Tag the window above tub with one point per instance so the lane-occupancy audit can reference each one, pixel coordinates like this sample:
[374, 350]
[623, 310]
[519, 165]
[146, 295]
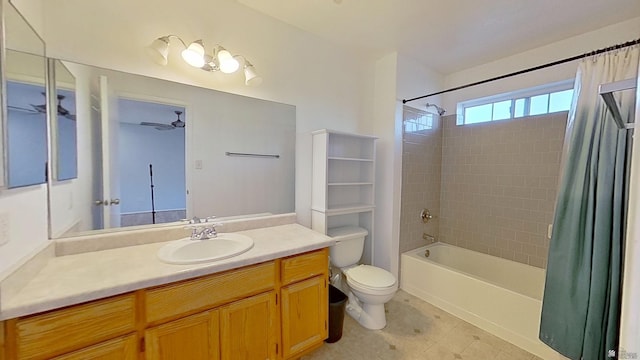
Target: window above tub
[538, 100]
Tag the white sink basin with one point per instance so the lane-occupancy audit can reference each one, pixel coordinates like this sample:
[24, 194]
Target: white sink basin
[187, 251]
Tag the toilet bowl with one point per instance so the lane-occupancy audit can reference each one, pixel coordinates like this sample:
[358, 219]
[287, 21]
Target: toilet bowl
[368, 287]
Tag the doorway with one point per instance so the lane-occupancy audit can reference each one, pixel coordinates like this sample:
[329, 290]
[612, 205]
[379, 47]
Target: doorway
[151, 162]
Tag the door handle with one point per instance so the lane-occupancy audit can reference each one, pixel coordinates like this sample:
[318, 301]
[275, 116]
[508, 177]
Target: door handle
[101, 202]
[114, 202]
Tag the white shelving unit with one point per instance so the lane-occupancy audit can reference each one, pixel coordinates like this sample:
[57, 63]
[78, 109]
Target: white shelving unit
[343, 185]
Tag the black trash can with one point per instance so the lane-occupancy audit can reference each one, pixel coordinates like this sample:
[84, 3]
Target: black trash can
[337, 304]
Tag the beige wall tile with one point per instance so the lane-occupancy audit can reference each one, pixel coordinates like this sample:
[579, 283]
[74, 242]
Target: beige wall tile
[496, 184]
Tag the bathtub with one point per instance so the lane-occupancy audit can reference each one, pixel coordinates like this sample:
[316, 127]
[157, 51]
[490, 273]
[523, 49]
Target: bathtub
[500, 296]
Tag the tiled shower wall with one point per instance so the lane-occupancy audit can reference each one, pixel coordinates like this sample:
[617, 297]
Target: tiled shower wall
[499, 183]
[491, 186]
[422, 159]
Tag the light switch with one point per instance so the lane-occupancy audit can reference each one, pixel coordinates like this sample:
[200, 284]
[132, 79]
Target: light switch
[549, 231]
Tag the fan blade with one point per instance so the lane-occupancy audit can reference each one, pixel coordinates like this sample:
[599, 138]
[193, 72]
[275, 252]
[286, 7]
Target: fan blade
[144, 123]
[21, 109]
[158, 126]
[40, 108]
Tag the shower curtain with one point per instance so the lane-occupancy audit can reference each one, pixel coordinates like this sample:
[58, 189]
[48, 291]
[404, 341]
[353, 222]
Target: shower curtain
[581, 304]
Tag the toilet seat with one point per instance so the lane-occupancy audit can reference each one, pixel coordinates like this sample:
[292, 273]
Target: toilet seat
[371, 279]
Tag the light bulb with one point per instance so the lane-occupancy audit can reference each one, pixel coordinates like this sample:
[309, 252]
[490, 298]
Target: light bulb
[224, 55]
[194, 54]
[229, 65]
[226, 61]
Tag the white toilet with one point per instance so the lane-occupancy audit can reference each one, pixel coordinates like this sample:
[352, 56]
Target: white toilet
[368, 287]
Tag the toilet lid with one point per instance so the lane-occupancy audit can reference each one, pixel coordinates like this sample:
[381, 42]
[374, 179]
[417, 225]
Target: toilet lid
[372, 276]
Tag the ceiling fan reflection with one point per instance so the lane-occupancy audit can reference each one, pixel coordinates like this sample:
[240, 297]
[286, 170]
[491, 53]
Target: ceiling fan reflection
[42, 109]
[173, 125]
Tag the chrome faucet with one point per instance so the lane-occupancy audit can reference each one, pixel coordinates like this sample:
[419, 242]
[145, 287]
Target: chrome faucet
[202, 229]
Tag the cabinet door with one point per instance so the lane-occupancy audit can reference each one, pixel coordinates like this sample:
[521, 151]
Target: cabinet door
[304, 315]
[123, 348]
[193, 337]
[249, 328]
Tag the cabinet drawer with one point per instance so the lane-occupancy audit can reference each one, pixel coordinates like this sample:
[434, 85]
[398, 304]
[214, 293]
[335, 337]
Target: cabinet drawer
[60, 331]
[123, 348]
[170, 301]
[304, 266]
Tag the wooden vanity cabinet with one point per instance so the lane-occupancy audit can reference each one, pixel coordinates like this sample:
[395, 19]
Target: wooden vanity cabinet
[304, 303]
[194, 337]
[57, 332]
[273, 310]
[2, 340]
[123, 348]
[249, 328]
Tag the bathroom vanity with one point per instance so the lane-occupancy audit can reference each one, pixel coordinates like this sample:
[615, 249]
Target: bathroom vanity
[273, 306]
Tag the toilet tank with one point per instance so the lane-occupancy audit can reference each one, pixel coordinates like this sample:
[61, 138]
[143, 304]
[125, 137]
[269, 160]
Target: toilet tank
[349, 245]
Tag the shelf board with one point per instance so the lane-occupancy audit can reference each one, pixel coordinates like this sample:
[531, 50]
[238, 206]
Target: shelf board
[342, 133]
[348, 159]
[349, 183]
[346, 209]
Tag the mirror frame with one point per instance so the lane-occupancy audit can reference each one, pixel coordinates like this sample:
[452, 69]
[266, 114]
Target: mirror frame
[3, 98]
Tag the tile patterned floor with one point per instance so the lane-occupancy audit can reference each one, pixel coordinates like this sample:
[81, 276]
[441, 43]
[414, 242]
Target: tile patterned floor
[418, 330]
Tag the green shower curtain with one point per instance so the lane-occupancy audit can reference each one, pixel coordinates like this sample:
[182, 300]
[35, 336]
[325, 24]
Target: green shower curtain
[581, 304]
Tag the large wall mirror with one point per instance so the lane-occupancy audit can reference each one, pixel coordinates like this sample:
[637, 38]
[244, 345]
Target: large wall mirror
[130, 151]
[26, 121]
[152, 152]
[63, 122]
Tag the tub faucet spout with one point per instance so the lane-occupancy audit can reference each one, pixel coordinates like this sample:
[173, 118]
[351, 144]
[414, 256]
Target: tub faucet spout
[430, 238]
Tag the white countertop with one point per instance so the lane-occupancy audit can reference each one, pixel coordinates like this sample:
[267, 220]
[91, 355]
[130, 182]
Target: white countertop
[73, 279]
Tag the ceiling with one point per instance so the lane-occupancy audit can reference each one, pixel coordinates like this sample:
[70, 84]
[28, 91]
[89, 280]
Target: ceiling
[447, 36]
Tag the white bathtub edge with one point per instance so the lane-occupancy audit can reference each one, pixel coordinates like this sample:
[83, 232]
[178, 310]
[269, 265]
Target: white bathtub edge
[537, 348]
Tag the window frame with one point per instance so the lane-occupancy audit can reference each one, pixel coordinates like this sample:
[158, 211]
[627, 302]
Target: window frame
[525, 94]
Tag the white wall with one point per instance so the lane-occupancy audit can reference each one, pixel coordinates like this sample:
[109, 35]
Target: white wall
[577, 45]
[144, 145]
[384, 127]
[396, 77]
[415, 80]
[630, 311]
[26, 212]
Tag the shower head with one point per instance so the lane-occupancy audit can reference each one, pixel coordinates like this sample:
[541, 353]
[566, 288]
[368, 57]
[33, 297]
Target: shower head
[440, 110]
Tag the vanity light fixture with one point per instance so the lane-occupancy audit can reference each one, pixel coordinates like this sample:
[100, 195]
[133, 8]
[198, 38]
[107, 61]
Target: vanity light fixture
[195, 55]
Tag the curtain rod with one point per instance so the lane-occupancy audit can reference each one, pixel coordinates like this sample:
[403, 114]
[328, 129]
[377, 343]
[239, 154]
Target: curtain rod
[557, 62]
